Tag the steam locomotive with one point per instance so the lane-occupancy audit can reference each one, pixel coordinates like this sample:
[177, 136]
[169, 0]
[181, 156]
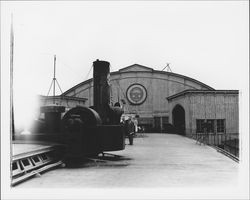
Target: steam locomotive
[90, 131]
[84, 131]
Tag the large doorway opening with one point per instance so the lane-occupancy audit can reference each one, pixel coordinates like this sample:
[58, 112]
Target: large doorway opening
[178, 114]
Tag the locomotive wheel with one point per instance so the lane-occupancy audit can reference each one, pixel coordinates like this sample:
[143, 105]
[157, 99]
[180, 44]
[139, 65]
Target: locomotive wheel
[80, 132]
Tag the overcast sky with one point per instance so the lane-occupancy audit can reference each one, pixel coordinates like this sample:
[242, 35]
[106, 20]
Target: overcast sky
[207, 41]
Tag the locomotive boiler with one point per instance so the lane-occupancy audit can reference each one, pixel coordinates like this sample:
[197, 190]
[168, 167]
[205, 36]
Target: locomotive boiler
[90, 131]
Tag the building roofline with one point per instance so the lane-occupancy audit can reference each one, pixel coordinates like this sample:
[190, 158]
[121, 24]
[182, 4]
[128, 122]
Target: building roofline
[202, 92]
[76, 86]
[148, 68]
[152, 71]
[63, 97]
[170, 74]
[185, 77]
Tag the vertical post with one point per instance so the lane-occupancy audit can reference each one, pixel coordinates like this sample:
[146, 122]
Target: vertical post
[54, 79]
[12, 128]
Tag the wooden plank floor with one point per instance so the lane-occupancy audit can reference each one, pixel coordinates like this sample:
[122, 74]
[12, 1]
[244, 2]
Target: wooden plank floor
[157, 160]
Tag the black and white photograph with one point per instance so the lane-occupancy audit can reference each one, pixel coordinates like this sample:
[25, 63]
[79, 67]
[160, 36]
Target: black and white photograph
[125, 99]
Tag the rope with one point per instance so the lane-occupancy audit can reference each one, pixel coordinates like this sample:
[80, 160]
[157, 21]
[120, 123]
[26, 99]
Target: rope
[124, 96]
[69, 69]
[59, 86]
[48, 92]
[88, 73]
[50, 87]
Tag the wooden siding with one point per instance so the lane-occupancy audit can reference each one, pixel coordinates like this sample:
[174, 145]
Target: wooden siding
[209, 106]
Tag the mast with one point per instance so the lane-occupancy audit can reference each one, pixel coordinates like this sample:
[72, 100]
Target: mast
[54, 79]
[12, 127]
[54, 82]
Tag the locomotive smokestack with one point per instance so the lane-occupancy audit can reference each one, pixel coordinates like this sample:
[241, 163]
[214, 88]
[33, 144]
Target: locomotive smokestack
[101, 73]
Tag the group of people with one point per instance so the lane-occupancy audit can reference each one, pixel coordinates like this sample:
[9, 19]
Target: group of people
[130, 128]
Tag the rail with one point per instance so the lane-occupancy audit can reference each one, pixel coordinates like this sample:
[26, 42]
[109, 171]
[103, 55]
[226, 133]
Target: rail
[226, 143]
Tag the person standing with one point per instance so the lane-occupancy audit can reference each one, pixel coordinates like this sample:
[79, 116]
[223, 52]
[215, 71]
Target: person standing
[130, 130]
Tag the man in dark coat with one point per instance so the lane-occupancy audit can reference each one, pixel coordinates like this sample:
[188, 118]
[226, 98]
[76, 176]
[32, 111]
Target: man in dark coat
[129, 130]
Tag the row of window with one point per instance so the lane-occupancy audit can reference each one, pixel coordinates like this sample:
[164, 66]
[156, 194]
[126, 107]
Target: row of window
[210, 125]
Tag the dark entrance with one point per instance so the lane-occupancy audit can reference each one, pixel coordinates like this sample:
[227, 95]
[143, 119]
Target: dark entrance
[178, 114]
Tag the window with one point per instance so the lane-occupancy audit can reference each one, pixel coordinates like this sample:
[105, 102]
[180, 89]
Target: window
[165, 120]
[200, 125]
[221, 125]
[210, 125]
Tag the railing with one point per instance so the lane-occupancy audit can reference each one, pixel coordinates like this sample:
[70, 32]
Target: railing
[228, 142]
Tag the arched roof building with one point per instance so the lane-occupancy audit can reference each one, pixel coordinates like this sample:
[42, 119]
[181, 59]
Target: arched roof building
[158, 85]
[155, 95]
[142, 91]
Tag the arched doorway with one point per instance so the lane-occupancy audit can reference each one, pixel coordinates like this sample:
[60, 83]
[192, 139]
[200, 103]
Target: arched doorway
[178, 114]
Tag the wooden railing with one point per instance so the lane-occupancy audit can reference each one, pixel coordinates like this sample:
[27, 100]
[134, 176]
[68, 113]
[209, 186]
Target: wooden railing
[226, 142]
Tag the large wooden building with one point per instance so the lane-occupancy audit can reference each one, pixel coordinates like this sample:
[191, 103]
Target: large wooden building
[162, 99]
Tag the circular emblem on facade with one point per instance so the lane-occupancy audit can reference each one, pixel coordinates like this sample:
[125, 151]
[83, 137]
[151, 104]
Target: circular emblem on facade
[136, 94]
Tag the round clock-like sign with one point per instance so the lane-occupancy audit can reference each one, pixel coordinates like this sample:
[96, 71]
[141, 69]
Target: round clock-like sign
[136, 94]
